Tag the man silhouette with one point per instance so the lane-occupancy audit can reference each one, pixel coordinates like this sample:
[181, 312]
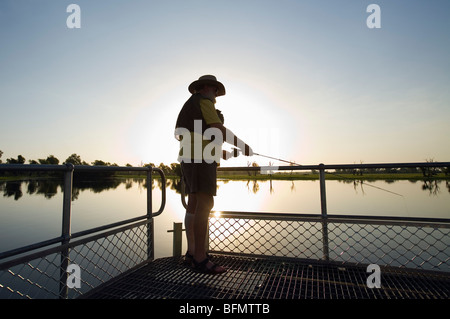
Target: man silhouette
[199, 169]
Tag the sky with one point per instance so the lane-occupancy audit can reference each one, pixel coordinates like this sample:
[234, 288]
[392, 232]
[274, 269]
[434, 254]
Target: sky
[306, 80]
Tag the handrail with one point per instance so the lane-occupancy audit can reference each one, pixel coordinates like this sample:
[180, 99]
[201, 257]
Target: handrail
[68, 243]
[324, 218]
[357, 219]
[321, 168]
[163, 191]
[35, 167]
[69, 169]
[85, 168]
[334, 166]
[9, 263]
[69, 166]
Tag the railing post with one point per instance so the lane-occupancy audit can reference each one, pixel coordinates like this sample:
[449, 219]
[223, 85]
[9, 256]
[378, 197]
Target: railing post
[323, 206]
[66, 230]
[150, 228]
[323, 194]
[177, 238]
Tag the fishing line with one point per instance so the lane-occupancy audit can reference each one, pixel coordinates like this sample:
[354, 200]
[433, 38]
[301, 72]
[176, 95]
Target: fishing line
[337, 175]
[362, 182]
[277, 159]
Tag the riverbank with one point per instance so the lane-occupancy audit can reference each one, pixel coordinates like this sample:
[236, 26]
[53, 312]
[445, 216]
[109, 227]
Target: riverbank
[336, 176]
[311, 176]
[239, 176]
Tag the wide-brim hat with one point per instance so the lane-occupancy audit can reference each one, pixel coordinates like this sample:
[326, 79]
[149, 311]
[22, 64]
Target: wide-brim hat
[207, 80]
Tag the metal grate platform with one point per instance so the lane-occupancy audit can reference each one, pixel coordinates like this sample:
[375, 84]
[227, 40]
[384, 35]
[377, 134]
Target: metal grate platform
[261, 278]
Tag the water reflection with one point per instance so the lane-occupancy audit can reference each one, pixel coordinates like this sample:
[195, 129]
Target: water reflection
[431, 186]
[49, 187]
[123, 198]
[254, 185]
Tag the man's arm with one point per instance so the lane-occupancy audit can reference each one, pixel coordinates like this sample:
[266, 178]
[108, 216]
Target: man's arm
[231, 138]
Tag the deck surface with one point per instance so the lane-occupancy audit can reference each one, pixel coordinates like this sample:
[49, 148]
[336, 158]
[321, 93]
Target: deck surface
[255, 278]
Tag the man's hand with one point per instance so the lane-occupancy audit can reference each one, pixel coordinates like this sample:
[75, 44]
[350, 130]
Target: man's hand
[235, 152]
[247, 151]
[227, 155]
[229, 137]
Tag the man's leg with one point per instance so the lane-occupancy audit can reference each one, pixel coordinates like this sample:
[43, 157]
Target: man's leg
[205, 203]
[189, 222]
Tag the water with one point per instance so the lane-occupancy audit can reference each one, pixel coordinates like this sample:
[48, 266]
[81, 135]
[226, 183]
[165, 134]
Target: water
[31, 211]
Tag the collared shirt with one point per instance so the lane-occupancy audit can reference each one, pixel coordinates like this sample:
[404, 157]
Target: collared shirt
[197, 114]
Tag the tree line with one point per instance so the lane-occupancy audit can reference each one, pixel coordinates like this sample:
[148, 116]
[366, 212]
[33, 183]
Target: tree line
[52, 160]
[173, 169]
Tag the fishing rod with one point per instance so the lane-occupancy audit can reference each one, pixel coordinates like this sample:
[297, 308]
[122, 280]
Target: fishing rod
[295, 164]
[277, 159]
[237, 151]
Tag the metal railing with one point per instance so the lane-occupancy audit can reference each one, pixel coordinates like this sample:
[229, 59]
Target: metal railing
[422, 243]
[40, 270]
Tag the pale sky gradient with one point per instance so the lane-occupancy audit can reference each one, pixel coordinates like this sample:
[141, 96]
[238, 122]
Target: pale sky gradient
[306, 81]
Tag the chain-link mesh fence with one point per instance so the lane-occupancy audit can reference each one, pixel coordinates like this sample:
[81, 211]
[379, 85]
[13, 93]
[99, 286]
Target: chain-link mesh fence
[41, 270]
[99, 258]
[346, 240]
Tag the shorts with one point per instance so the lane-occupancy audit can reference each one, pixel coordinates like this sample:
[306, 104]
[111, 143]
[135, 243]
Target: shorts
[200, 177]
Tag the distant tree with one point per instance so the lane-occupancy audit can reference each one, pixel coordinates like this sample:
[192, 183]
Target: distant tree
[252, 164]
[175, 169]
[429, 171]
[446, 171]
[20, 160]
[164, 168]
[74, 159]
[33, 162]
[50, 160]
[99, 163]
[1, 153]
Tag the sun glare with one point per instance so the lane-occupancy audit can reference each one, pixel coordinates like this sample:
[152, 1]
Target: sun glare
[266, 124]
[252, 114]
